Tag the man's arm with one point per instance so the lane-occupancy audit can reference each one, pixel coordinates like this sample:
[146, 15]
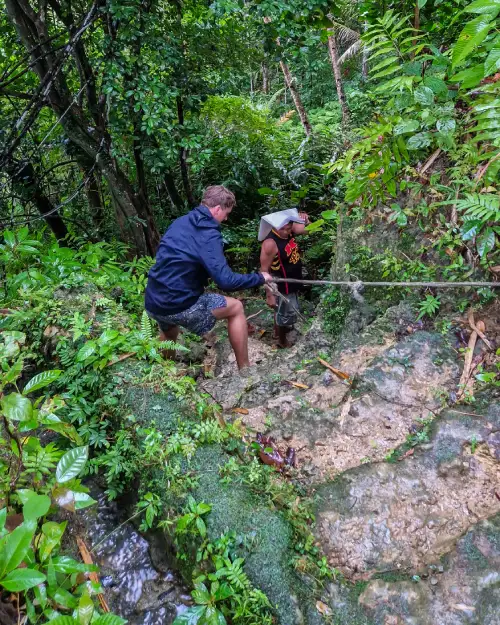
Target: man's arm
[214, 261]
[268, 251]
[300, 228]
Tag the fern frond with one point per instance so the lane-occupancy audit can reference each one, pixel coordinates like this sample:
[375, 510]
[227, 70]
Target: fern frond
[146, 327]
[173, 346]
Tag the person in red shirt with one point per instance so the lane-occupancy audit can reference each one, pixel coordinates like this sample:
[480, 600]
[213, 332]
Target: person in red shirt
[280, 256]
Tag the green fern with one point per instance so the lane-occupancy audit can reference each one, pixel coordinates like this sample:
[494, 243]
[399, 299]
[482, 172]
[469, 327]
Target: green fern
[392, 39]
[38, 461]
[234, 573]
[147, 329]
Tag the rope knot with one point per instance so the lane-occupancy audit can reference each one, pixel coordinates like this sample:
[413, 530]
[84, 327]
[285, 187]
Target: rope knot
[356, 289]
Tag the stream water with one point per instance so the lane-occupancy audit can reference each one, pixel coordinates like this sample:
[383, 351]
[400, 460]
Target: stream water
[143, 592]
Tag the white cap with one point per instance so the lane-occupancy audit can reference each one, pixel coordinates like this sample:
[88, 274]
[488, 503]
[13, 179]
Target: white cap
[277, 221]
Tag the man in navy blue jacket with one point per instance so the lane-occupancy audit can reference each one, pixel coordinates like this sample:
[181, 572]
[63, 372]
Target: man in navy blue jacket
[191, 252]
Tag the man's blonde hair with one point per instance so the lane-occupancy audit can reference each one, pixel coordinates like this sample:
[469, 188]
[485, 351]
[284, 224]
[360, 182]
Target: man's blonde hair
[218, 195]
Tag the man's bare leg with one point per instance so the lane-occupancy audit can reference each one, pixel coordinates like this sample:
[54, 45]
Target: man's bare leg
[170, 335]
[237, 329]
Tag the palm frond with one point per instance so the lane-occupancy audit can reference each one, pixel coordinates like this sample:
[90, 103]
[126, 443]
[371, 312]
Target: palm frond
[351, 51]
[344, 33]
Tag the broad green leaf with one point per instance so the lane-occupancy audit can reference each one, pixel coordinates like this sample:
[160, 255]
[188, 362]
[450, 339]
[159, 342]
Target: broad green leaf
[51, 537]
[485, 242]
[9, 238]
[71, 464]
[203, 508]
[469, 77]
[13, 373]
[22, 579]
[446, 125]
[85, 609]
[421, 3]
[191, 616]
[405, 126]
[329, 215]
[16, 407]
[223, 592]
[65, 429]
[63, 620]
[65, 564]
[86, 351]
[200, 594]
[438, 86]
[470, 229]
[40, 592]
[484, 6]
[492, 63]
[83, 500]
[15, 546]
[3, 518]
[470, 38]
[36, 506]
[420, 140]
[109, 619]
[202, 528]
[267, 191]
[184, 521]
[213, 616]
[63, 597]
[42, 379]
[423, 95]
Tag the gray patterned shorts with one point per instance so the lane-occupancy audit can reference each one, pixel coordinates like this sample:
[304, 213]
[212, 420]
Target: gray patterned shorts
[198, 319]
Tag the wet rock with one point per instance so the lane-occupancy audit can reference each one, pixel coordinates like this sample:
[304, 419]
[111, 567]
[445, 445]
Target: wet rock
[469, 593]
[494, 444]
[406, 514]
[327, 378]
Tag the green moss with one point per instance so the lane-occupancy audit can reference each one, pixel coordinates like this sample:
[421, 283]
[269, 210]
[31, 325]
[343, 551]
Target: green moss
[154, 410]
[267, 563]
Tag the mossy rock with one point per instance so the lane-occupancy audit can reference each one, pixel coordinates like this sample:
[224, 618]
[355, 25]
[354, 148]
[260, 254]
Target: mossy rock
[268, 561]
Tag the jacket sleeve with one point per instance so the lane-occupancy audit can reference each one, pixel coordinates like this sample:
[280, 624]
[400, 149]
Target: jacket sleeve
[214, 261]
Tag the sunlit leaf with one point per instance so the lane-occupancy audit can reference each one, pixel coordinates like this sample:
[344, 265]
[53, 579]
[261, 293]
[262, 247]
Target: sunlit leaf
[71, 464]
[42, 379]
[16, 407]
[22, 579]
[469, 39]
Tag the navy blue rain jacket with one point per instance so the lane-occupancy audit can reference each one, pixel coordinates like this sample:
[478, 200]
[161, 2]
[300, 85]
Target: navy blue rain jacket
[191, 252]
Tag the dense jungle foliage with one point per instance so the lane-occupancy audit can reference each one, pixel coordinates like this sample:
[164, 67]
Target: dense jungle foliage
[115, 114]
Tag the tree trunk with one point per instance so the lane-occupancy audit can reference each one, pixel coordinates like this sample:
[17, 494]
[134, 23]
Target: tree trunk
[183, 154]
[364, 60]
[173, 194]
[92, 141]
[25, 182]
[94, 199]
[265, 78]
[290, 83]
[334, 58]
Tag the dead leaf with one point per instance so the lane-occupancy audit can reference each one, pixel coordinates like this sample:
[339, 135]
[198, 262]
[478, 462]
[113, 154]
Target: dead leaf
[463, 607]
[407, 454]
[323, 608]
[337, 372]
[120, 358]
[87, 558]
[298, 385]
[240, 410]
[495, 269]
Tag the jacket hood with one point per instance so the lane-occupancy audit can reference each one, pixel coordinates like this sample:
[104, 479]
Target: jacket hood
[201, 217]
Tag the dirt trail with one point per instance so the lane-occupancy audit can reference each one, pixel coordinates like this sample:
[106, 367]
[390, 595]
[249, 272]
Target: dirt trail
[376, 514]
